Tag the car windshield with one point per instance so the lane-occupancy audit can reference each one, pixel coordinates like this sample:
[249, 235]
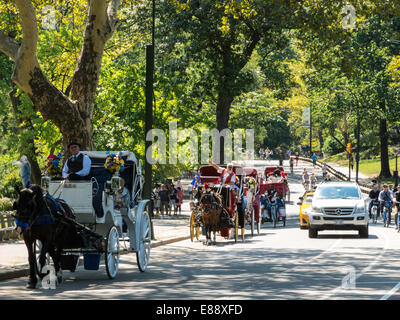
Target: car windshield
[337, 192]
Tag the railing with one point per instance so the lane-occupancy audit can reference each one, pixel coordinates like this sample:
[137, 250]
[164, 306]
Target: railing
[7, 227]
[365, 188]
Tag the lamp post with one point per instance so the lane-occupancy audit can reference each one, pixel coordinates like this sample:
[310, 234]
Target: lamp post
[149, 119]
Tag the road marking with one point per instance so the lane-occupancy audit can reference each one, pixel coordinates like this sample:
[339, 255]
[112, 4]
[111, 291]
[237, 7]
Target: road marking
[391, 292]
[363, 271]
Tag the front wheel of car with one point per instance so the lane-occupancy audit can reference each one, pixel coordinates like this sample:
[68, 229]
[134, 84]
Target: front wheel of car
[363, 232]
[312, 233]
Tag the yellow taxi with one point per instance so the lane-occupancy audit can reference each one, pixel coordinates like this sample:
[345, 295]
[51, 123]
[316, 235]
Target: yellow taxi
[304, 203]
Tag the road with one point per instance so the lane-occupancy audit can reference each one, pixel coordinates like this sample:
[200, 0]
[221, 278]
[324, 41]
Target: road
[280, 263]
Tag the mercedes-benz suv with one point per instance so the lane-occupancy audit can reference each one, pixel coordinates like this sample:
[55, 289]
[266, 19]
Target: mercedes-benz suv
[338, 206]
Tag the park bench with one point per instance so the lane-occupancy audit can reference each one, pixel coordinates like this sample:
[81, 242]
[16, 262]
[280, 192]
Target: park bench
[7, 227]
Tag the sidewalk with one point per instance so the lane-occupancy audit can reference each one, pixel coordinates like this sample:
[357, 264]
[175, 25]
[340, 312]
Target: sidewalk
[14, 255]
[362, 178]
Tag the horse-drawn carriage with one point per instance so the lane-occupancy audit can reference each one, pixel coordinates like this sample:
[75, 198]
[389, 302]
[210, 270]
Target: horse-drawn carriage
[222, 199]
[98, 225]
[250, 199]
[276, 174]
[272, 203]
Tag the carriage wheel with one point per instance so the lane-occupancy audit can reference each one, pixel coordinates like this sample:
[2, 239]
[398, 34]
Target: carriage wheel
[236, 226]
[112, 252]
[197, 233]
[144, 245]
[37, 249]
[192, 227]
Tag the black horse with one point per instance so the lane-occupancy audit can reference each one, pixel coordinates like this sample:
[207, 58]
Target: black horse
[41, 218]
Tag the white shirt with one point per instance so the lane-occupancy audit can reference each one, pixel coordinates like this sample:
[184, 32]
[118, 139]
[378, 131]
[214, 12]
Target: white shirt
[382, 194]
[85, 169]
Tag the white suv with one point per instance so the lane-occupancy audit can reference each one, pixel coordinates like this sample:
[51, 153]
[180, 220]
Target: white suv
[338, 206]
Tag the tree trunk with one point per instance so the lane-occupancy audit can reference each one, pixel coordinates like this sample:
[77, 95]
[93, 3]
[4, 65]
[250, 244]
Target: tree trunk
[383, 135]
[224, 103]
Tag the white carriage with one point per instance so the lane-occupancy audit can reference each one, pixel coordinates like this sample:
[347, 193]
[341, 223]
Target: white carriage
[92, 202]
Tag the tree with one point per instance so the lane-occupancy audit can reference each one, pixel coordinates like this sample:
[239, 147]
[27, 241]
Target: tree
[70, 111]
[224, 39]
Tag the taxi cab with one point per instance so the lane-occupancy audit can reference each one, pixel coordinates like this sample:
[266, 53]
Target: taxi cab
[304, 203]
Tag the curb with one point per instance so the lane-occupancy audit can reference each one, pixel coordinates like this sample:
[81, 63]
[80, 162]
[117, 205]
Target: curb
[23, 269]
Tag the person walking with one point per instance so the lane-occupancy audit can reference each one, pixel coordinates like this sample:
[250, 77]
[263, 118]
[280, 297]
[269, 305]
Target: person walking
[164, 198]
[314, 159]
[297, 158]
[179, 202]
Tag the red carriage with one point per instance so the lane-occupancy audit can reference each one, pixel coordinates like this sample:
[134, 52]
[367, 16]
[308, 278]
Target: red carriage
[209, 175]
[280, 181]
[275, 204]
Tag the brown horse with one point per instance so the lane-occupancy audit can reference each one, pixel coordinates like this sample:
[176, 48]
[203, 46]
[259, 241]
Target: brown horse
[210, 210]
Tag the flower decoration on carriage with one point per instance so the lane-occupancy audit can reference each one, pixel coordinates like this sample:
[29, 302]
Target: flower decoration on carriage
[251, 182]
[54, 164]
[114, 162]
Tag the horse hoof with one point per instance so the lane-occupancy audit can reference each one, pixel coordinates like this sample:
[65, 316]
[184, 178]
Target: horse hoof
[31, 285]
[59, 277]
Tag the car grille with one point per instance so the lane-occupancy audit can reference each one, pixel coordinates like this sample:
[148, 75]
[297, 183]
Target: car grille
[338, 218]
[338, 211]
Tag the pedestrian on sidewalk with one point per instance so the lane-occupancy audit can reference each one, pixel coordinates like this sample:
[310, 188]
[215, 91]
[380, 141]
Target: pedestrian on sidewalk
[164, 198]
[173, 199]
[157, 201]
[297, 158]
[180, 196]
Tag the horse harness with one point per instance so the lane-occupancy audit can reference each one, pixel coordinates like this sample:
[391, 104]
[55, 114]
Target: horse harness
[41, 219]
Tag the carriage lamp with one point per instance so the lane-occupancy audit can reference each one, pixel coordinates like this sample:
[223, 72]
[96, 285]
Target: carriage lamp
[45, 182]
[115, 183]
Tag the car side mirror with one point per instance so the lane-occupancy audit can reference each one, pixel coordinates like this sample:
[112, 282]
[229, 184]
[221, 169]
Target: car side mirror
[299, 203]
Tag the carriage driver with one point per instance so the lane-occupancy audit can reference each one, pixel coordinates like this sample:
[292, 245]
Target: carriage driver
[78, 166]
[227, 175]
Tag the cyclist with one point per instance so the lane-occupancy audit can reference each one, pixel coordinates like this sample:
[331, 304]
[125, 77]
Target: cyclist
[386, 196]
[306, 179]
[374, 195]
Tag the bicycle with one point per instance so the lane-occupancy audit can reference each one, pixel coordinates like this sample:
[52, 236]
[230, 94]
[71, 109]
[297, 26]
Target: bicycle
[386, 213]
[374, 210]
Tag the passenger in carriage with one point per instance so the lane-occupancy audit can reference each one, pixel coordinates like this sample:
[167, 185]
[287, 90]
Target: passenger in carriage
[122, 198]
[77, 167]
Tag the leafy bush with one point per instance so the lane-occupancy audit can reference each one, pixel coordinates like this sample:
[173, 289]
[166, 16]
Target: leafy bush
[6, 204]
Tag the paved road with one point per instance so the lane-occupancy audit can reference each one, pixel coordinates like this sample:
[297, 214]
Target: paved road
[281, 263]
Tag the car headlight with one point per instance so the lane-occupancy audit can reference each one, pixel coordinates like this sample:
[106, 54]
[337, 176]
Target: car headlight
[360, 208]
[316, 209]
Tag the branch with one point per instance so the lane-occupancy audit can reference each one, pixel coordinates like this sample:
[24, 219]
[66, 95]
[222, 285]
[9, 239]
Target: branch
[112, 16]
[25, 60]
[8, 46]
